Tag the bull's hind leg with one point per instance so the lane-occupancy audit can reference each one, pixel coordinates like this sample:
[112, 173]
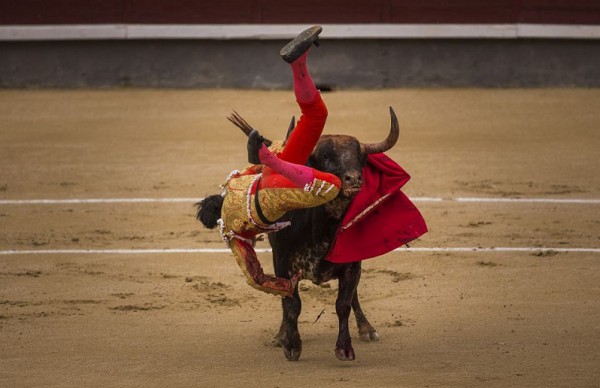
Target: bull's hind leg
[349, 278]
[365, 330]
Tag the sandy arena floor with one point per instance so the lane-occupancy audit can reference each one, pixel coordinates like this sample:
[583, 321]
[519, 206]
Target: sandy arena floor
[514, 318]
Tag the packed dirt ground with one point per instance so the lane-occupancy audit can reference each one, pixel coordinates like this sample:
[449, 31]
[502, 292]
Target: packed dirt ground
[529, 318]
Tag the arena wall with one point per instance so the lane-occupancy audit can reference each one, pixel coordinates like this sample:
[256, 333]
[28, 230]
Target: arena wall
[233, 43]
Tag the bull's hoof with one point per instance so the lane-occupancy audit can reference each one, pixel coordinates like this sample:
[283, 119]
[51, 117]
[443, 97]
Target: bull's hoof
[292, 346]
[370, 336]
[293, 354]
[345, 354]
[277, 342]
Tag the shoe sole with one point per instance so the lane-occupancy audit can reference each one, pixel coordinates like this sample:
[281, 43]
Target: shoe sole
[298, 46]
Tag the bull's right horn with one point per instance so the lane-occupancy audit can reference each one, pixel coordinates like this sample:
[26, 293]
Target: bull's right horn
[389, 142]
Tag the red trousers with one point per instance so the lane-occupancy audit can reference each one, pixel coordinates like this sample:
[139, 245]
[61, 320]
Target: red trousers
[300, 145]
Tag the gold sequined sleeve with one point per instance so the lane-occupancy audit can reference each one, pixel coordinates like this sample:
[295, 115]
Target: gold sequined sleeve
[245, 257]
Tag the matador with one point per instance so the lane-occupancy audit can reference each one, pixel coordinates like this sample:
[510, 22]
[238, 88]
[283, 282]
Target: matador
[276, 181]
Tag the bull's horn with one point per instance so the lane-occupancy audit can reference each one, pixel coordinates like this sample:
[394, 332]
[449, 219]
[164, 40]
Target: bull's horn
[388, 143]
[290, 129]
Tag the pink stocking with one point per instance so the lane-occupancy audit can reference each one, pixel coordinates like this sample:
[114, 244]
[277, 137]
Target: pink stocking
[304, 87]
[298, 174]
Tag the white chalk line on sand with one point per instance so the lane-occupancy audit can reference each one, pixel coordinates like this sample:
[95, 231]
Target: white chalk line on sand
[223, 250]
[147, 251]
[75, 201]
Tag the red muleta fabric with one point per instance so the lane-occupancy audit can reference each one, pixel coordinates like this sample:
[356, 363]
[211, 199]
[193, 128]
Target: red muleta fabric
[380, 218]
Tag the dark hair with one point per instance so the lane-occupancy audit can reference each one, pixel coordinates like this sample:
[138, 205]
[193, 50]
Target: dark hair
[209, 210]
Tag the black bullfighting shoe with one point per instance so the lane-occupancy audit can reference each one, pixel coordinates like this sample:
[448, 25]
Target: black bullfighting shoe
[298, 46]
[255, 142]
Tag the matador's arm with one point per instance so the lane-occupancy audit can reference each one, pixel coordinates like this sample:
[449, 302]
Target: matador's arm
[246, 258]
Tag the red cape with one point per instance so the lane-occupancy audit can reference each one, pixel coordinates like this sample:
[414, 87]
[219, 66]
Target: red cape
[380, 218]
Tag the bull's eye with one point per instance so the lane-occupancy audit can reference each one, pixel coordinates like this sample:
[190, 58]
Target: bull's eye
[325, 156]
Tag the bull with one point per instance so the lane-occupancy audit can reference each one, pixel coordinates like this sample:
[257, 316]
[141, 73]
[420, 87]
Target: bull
[305, 244]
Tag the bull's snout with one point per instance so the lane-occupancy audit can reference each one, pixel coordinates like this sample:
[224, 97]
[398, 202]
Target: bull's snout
[353, 179]
[352, 183]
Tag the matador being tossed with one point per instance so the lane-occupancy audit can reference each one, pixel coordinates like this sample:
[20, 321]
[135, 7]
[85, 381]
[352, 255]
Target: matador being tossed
[275, 183]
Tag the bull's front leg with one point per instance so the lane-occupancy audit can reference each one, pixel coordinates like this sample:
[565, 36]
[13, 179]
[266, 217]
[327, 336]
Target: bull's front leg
[348, 281]
[288, 336]
[288, 333]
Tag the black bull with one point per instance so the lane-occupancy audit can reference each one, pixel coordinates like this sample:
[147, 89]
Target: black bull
[305, 244]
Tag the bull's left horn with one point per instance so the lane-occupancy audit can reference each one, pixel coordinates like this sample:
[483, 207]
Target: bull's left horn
[290, 129]
[389, 142]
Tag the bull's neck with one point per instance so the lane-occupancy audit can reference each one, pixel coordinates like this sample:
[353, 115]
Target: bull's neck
[337, 208]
